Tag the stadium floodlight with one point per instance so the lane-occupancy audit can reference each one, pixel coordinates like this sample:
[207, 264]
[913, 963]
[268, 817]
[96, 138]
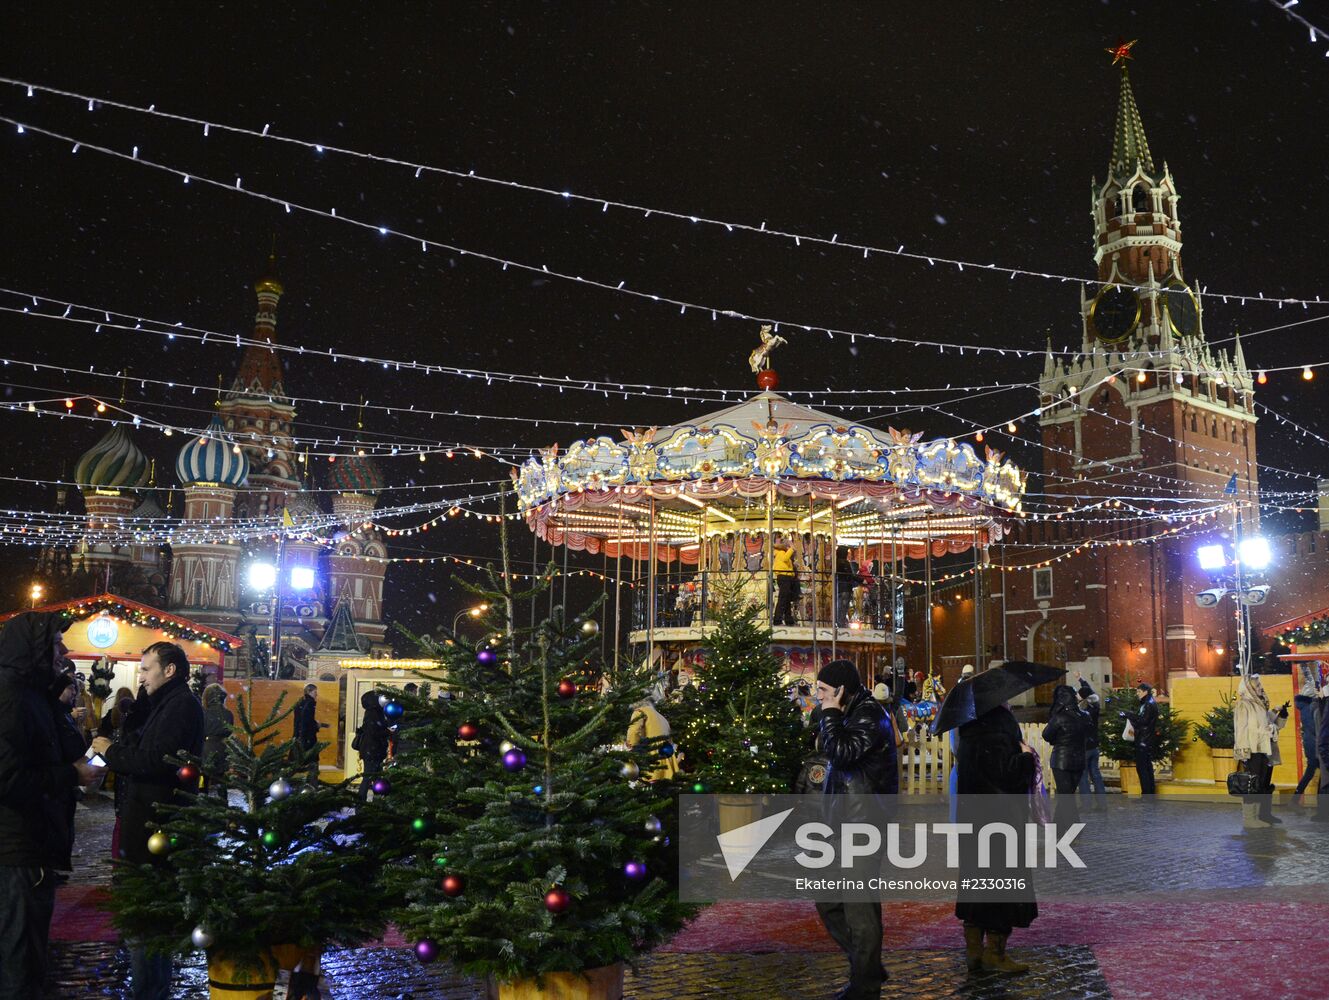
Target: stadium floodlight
[1255, 553]
[262, 576]
[1212, 557]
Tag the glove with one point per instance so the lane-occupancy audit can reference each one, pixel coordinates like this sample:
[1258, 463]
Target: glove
[1121, 715]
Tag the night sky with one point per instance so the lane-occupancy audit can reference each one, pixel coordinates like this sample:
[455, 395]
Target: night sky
[968, 130]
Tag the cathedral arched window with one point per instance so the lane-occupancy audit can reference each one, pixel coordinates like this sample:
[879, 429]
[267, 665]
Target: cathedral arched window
[1140, 199]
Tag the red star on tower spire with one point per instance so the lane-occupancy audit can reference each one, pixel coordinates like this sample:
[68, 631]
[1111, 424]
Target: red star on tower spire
[1121, 51]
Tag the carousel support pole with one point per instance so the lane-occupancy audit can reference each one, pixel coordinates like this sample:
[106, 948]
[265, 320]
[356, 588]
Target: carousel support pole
[650, 586]
[895, 532]
[618, 585]
[770, 555]
[978, 605]
[1005, 655]
[535, 569]
[812, 583]
[927, 581]
[604, 597]
[565, 578]
[835, 585]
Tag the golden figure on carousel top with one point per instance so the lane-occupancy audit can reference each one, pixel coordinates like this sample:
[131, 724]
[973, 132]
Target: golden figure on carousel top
[760, 359]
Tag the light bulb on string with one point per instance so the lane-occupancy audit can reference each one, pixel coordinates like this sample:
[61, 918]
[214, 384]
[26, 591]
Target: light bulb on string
[1308, 373]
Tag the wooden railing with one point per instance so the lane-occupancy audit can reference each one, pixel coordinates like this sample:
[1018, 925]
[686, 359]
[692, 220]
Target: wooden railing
[925, 761]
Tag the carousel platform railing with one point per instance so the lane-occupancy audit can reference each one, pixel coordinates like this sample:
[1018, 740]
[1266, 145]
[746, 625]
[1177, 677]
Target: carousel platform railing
[925, 760]
[688, 599]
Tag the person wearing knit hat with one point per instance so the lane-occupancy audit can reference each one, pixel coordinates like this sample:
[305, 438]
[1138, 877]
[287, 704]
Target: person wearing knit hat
[858, 742]
[966, 671]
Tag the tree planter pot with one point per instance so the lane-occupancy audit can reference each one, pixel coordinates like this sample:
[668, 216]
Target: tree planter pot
[736, 812]
[1224, 763]
[1130, 779]
[256, 979]
[604, 983]
[249, 980]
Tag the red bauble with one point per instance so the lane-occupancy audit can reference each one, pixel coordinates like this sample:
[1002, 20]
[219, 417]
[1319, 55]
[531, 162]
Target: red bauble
[767, 379]
[566, 689]
[556, 900]
[187, 772]
[452, 885]
[468, 731]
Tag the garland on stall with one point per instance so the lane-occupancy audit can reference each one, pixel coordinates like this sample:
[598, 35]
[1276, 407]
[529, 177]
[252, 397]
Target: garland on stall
[1314, 632]
[141, 614]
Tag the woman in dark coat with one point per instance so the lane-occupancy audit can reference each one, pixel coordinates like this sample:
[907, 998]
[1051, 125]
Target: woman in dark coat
[371, 740]
[994, 770]
[1067, 732]
[72, 747]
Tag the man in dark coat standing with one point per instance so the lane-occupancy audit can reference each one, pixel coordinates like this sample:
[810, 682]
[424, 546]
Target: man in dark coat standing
[307, 727]
[36, 781]
[859, 745]
[174, 727]
[1145, 723]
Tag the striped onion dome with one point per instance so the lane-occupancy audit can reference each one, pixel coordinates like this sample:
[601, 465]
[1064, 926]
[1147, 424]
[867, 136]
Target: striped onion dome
[353, 474]
[212, 459]
[112, 463]
[148, 508]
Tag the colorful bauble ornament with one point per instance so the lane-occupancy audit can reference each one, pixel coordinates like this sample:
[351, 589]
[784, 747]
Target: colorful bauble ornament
[394, 709]
[698, 788]
[452, 885]
[635, 870]
[383, 701]
[200, 937]
[514, 759]
[270, 838]
[539, 789]
[487, 656]
[630, 770]
[441, 861]
[158, 843]
[590, 627]
[381, 786]
[666, 749]
[566, 689]
[187, 773]
[468, 731]
[419, 825]
[653, 824]
[426, 950]
[556, 900]
[505, 746]
[279, 789]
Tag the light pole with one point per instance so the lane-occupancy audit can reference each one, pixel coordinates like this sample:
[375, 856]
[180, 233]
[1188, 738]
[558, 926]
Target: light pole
[1228, 570]
[35, 593]
[474, 612]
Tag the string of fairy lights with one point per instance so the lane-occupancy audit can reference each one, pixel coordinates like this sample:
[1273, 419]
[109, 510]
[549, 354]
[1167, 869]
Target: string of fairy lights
[602, 204]
[715, 311]
[68, 529]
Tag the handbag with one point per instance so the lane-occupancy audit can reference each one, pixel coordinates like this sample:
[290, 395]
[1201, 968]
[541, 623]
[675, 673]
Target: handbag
[1243, 783]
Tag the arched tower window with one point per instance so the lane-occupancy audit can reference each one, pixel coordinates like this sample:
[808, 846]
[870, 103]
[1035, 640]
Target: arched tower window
[1140, 201]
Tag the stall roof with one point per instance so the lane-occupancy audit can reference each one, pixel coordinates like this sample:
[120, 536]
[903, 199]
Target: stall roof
[114, 602]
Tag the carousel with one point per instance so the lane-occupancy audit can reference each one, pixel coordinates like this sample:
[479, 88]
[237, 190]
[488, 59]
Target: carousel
[814, 518]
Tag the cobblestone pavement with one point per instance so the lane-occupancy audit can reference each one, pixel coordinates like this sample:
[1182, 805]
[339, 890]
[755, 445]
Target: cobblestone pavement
[87, 962]
[99, 970]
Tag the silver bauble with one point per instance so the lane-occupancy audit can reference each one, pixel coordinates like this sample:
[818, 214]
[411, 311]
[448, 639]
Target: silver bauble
[590, 627]
[201, 938]
[630, 770]
[383, 701]
[653, 824]
[505, 746]
[279, 789]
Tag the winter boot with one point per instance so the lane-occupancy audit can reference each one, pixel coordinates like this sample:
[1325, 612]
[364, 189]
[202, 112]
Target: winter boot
[1267, 811]
[973, 947]
[1250, 816]
[995, 958]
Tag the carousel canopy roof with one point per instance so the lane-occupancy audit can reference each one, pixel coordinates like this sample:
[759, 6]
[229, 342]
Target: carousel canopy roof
[694, 475]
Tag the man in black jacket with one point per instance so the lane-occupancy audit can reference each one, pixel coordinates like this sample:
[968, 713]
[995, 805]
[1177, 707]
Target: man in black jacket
[1145, 723]
[859, 745]
[36, 781]
[307, 727]
[1092, 706]
[174, 727]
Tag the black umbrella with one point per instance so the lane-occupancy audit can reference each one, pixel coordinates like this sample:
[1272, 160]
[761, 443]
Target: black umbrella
[983, 692]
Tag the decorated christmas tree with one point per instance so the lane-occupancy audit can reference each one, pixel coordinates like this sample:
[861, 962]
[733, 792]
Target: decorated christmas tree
[262, 879]
[530, 842]
[736, 725]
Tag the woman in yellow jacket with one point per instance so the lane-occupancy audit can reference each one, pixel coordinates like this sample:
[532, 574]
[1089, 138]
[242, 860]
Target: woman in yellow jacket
[648, 724]
[786, 582]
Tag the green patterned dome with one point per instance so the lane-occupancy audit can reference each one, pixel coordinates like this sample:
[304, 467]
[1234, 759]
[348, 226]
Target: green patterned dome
[113, 463]
[353, 474]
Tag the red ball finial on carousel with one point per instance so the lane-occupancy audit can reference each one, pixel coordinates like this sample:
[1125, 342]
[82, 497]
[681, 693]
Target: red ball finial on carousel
[760, 359]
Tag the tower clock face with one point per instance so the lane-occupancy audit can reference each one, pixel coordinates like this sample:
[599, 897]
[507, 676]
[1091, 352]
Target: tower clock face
[1182, 312]
[1115, 314]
